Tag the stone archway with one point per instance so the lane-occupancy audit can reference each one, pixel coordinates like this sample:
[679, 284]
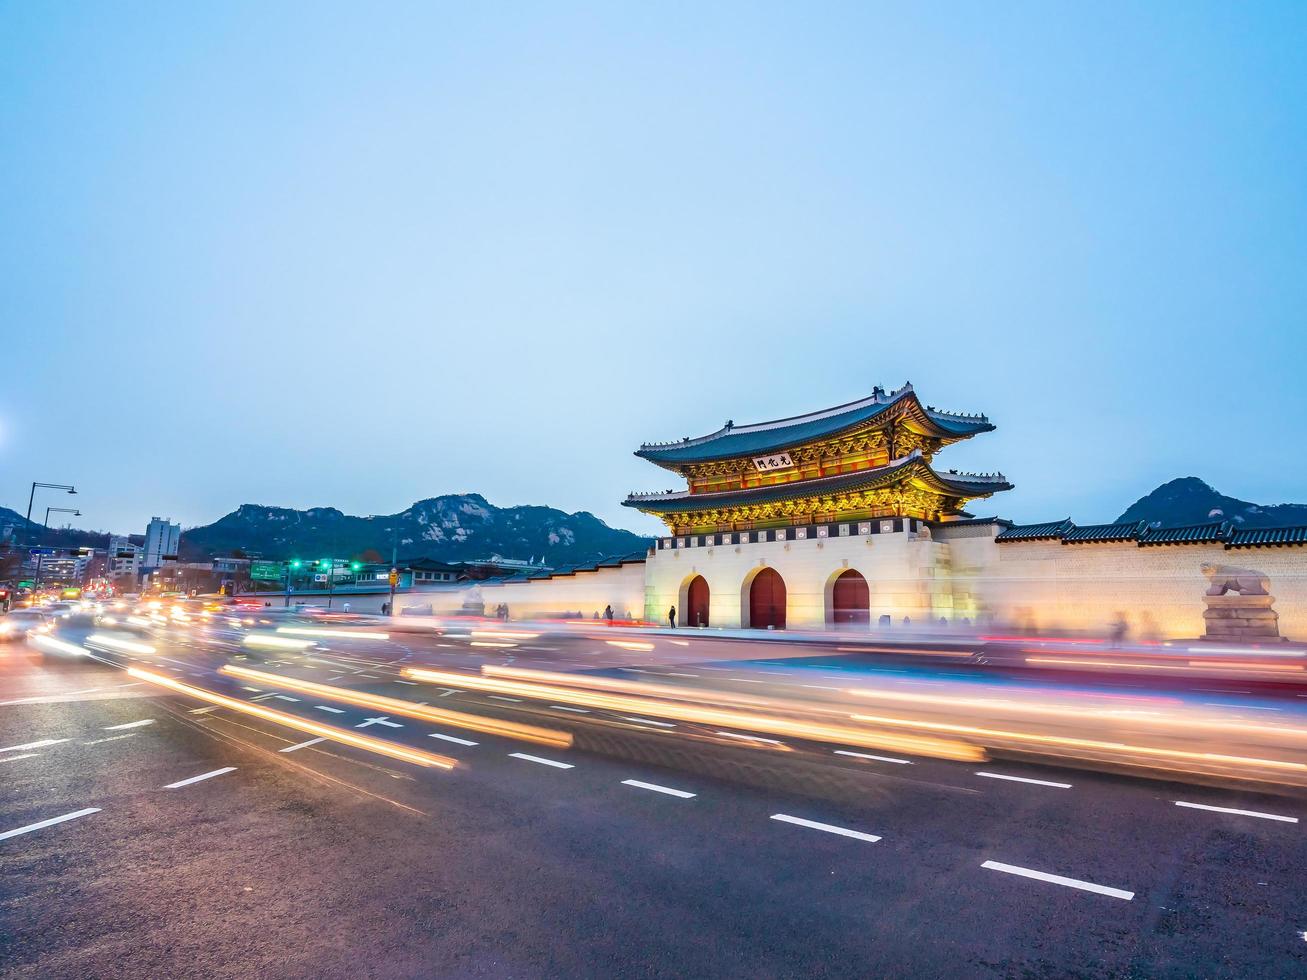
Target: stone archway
[850, 601]
[694, 602]
[766, 599]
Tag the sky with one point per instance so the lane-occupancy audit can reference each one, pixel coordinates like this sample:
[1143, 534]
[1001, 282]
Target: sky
[357, 255]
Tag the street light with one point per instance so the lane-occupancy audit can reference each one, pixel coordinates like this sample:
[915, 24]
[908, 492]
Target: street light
[31, 496]
[45, 525]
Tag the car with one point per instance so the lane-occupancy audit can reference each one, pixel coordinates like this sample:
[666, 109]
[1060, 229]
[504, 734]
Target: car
[19, 622]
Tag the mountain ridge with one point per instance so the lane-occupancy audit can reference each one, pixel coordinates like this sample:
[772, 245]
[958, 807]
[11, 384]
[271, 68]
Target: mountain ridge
[1189, 500]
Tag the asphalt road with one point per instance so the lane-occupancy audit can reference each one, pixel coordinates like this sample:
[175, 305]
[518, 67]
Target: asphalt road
[329, 861]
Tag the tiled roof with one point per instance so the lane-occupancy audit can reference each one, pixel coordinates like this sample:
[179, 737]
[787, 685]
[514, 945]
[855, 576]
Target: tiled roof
[768, 437]
[913, 466]
[1255, 536]
[1191, 534]
[1091, 533]
[1034, 532]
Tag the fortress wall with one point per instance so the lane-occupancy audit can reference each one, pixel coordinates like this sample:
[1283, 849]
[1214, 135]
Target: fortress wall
[585, 593]
[1159, 589]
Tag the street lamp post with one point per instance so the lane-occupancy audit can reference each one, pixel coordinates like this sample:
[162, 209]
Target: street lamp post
[32, 496]
[294, 563]
[40, 556]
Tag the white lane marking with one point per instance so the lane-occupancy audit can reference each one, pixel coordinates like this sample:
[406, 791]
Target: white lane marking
[15, 758]
[746, 680]
[648, 721]
[543, 762]
[451, 738]
[48, 823]
[497, 697]
[368, 723]
[878, 758]
[256, 690]
[672, 673]
[131, 724]
[203, 711]
[829, 828]
[111, 738]
[659, 789]
[35, 745]
[1023, 779]
[302, 745]
[201, 776]
[821, 687]
[1254, 707]
[285, 697]
[1240, 813]
[750, 738]
[359, 673]
[263, 697]
[579, 711]
[409, 683]
[323, 707]
[1087, 886]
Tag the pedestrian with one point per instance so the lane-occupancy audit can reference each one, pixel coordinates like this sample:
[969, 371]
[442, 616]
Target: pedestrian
[671, 617]
[608, 613]
[1119, 629]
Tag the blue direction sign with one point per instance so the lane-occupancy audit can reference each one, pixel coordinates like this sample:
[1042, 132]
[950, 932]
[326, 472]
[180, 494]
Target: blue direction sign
[42, 551]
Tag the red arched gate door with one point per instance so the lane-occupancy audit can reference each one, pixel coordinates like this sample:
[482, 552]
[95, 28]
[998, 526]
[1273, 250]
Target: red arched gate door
[767, 600]
[696, 603]
[851, 600]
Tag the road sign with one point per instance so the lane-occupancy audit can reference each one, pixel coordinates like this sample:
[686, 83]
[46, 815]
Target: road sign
[265, 571]
[394, 577]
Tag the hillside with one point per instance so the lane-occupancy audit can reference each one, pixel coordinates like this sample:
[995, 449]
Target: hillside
[1189, 500]
[455, 527]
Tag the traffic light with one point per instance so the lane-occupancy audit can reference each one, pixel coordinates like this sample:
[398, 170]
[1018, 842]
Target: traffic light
[354, 566]
[295, 563]
[325, 563]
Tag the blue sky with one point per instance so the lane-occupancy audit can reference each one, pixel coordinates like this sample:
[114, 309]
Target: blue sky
[310, 254]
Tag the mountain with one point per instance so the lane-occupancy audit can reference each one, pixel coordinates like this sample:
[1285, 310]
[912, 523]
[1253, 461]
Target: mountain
[1189, 500]
[455, 527]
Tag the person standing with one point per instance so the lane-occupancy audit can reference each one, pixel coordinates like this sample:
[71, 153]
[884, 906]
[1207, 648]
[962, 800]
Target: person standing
[608, 613]
[671, 617]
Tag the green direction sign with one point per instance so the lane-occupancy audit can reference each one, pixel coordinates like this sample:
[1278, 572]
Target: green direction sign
[266, 571]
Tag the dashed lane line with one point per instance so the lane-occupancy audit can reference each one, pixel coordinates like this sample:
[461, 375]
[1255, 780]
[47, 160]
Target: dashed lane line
[334, 711]
[452, 738]
[680, 793]
[302, 745]
[131, 724]
[540, 761]
[1239, 813]
[647, 721]
[1084, 886]
[41, 824]
[15, 758]
[878, 758]
[828, 828]
[202, 776]
[563, 707]
[35, 745]
[1023, 779]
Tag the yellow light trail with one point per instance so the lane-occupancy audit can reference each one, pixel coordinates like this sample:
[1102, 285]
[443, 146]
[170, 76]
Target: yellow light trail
[717, 717]
[1087, 743]
[424, 712]
[403, 753]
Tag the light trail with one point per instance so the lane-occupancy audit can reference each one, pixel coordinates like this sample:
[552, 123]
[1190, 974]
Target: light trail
[380, 747]
[714, 717]
[119, 644]
[332, 634]
[269, 641]
[409, 709]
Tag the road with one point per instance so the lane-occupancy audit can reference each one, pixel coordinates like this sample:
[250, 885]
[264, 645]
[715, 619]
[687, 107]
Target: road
[202, 840]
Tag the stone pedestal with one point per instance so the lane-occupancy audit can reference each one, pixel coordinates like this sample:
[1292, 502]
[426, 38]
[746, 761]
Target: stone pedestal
[1248, 618]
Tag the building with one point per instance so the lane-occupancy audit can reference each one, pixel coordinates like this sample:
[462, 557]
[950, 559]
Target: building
[841, 520]
[124, 562]
[161, 542]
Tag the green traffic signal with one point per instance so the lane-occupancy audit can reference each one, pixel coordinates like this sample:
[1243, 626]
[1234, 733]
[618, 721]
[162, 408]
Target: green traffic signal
[295, 563]
[325, 563]
[355, 565]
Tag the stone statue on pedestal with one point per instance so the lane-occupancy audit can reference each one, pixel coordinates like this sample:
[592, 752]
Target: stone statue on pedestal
[1239, 606]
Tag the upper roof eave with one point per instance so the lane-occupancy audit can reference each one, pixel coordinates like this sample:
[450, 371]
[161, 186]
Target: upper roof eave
[732, 441]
